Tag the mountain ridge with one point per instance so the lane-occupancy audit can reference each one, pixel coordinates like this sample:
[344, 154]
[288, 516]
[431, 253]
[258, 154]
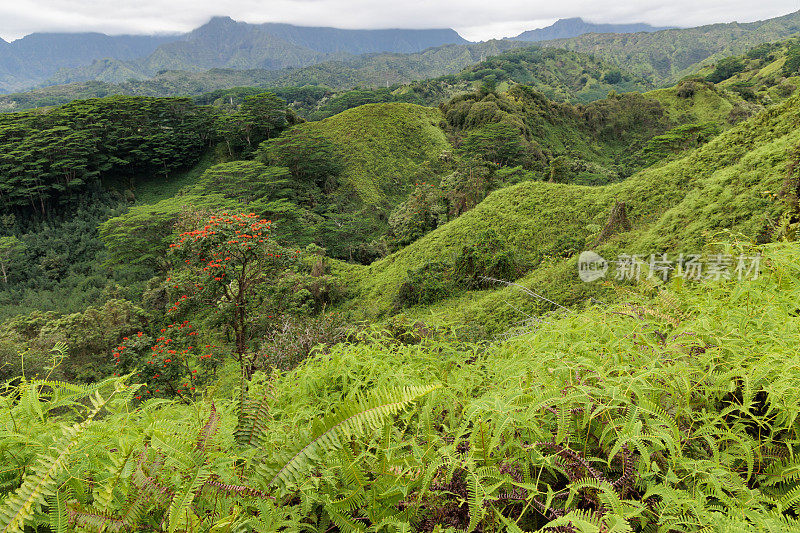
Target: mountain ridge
[35, 57]
[668, 55]
[223, 43]
[576, 26]
[220, 43]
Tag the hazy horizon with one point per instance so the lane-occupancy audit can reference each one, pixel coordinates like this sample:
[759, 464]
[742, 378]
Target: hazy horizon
[473, 20]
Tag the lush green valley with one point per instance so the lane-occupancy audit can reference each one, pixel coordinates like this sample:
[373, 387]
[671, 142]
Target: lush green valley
[327, 307]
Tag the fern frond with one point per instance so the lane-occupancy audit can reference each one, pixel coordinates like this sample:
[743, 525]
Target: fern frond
[359, 417]
[21, 505]
[781, 472]
[476, 496]
[59, 519]
[577, 519]
[104, 495]
[251, 425]
[789, 499]
[181, 502]
[344, 522]
[94, 520]
[210, 429]
[511, 526]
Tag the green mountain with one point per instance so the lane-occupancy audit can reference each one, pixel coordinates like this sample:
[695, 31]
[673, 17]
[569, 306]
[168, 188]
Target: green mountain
[223, 43]
[34, 58]
[454, 69]
[665, 56]
[345, 72]
[765, 75]
[644, 60]
[573, 27]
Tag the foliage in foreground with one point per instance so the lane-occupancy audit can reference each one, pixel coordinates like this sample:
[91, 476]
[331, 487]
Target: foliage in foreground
[676, 411]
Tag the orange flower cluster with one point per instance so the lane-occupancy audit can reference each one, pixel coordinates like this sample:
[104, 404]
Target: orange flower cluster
[164, 354]
[248, 229]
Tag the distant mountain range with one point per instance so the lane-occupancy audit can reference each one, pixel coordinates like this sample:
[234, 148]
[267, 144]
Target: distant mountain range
[220, 43]
[36, 57]
[347, 58]
[573, 27]
[665, 56]
[52, 58]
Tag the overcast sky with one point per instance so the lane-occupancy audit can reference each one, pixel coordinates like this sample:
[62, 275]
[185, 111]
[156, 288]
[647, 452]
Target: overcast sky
[474, 19]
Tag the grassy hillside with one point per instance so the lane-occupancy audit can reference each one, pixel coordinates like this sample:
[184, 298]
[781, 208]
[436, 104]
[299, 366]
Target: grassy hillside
[380, 150]
[558, 74]
[765, 75]
[700, 102]
[385, 147]
[734, 88]
[671, 208]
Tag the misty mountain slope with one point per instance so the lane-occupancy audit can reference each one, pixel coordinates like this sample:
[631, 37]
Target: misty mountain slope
[333, 40]
[665, 56]
[347, 58]
[344, 72]
[224, 43]
[33, 58]
[220, 43]
[446, 70]
[573, 27]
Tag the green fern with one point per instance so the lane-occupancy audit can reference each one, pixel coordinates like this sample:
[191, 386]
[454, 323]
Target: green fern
[359, 417]
[59, 518]
[37, 486]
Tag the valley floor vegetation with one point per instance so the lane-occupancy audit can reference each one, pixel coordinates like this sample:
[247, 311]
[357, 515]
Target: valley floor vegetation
[319, 310]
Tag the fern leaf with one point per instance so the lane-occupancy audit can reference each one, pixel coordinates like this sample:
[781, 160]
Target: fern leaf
[252, 421]
[344, 522]
[791, 498]
[511, 526]
[361, 417]
[21, 505]
[179, 506]
[210, 429]
[577, 520]
[59, 520]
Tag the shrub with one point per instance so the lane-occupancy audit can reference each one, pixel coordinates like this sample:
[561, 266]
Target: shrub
[725, 69]
[489, 258]
[296, 338]
[425, 285]
[792, 65]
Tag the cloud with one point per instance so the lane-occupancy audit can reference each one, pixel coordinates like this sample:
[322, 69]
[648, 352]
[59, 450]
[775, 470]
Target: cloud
[475, 19]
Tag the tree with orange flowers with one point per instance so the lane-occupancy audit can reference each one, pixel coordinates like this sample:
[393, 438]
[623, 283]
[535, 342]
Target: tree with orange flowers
[176, 364]
[226, 265]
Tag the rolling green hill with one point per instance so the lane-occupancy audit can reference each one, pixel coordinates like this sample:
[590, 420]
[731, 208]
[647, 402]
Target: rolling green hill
[764, 75]
[384, 145]
[728, 184]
